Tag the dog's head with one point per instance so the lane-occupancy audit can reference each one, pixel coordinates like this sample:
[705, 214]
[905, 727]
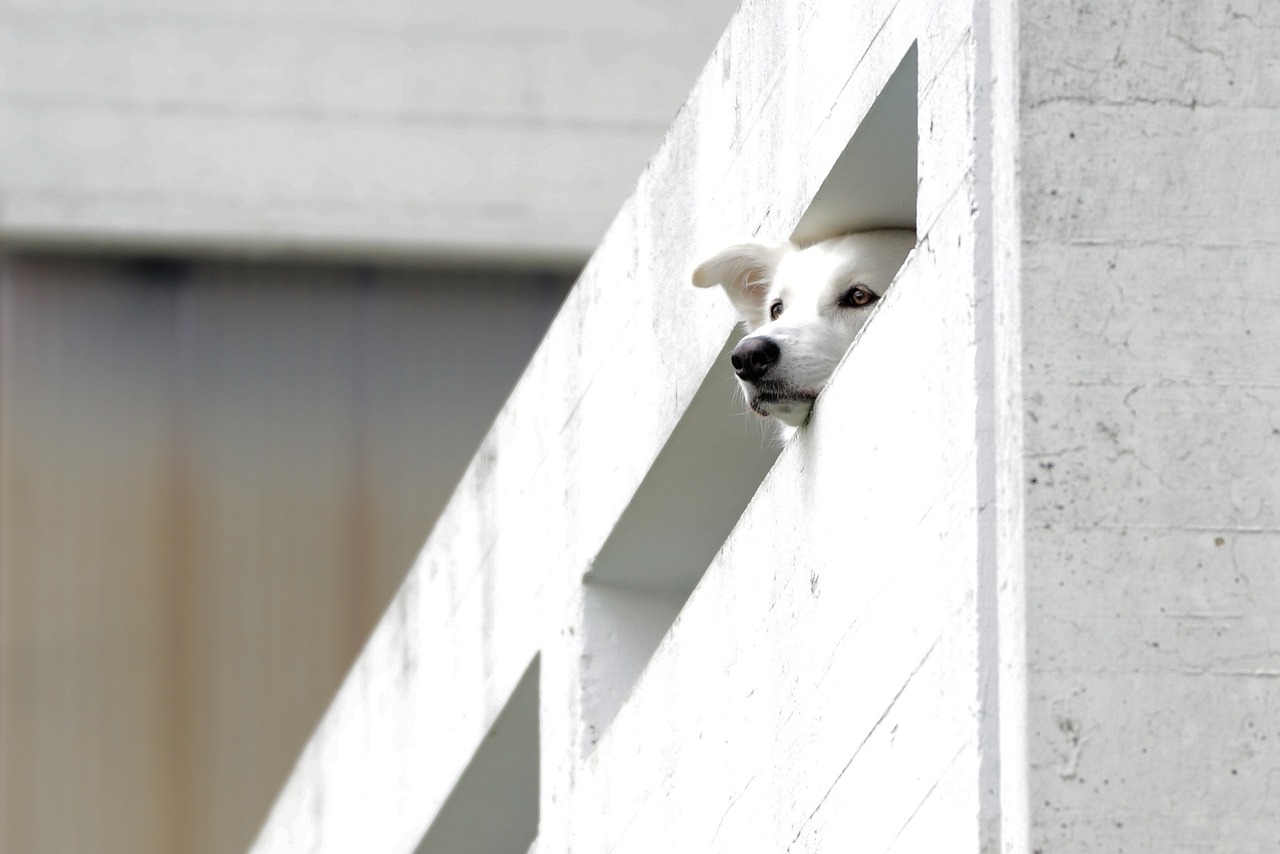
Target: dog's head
[802, 309]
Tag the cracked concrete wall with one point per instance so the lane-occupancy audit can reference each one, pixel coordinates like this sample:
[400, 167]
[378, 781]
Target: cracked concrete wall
[1152, 415]
[820, 687]
[1012, 589]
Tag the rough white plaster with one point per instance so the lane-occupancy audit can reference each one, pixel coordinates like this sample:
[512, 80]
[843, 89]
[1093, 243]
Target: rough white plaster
[1012, 589]
[499, 579]
[845, 690]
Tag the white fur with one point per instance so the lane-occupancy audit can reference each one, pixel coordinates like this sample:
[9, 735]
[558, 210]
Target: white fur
[813, 330]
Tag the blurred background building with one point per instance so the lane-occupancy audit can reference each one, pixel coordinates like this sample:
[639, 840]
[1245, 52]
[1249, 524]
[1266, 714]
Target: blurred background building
[267, 270]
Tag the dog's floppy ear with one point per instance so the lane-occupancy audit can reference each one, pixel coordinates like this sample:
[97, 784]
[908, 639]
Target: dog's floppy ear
[746, 271]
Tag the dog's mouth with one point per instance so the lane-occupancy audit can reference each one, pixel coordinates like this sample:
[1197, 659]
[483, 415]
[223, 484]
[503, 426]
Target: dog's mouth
[790, 405]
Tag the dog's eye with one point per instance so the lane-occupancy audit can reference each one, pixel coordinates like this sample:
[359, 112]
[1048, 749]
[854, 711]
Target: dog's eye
[857, 297]
[775, 310]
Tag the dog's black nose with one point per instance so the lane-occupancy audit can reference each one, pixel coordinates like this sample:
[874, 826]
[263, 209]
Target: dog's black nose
[752, 357]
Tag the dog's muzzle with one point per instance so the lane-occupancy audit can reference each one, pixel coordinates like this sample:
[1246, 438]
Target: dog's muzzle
[755, 361]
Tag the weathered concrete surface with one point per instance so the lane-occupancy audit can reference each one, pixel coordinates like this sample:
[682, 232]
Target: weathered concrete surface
[502, 129]
[1013, 587]
[840, 713]
[1150, 322]
[500, 578]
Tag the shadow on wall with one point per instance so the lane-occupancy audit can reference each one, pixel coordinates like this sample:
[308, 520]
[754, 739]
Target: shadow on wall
[493, 808]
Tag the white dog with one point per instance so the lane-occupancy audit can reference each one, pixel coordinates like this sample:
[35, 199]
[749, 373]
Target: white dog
[802, 309]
